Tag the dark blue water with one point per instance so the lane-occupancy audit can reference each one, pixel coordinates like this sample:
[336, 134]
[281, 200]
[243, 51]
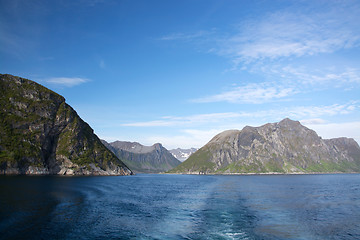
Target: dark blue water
[181, 207]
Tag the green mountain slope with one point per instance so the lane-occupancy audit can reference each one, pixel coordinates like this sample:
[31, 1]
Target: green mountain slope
[41, 134]
[143, 159]
[284, 147]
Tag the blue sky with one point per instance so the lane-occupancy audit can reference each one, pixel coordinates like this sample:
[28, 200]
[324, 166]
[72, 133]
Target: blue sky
[179, 72]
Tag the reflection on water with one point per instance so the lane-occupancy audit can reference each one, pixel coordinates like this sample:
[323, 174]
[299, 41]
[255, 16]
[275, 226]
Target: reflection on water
[181, 207]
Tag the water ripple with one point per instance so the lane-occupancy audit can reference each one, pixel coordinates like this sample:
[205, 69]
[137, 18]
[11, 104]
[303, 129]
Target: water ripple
[181, 207]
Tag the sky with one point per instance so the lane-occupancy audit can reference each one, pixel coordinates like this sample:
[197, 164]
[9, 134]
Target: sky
[180, 72]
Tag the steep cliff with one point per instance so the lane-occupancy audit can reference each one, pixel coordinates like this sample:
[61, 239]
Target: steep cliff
[284, 147]
[41, 134]
[143, 159]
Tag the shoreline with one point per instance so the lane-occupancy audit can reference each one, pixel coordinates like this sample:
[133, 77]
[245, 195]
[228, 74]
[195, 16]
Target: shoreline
[188, 173]
[262, 174]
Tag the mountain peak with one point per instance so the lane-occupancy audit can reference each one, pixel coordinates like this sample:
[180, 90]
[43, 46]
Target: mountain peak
[248, 128]
[158, 145]
[283, 147]
[140, 158]
[288, 122]
[223, 136]
[41, 134]
[182, 154]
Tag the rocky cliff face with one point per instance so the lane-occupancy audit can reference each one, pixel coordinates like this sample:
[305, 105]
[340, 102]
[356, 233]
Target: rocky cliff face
[143, 159]
[284, 147]
[41, 134]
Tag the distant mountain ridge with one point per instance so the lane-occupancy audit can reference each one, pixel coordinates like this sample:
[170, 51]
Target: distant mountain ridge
[283, 147]
[41, 134]
[182, 154]
[143, 159]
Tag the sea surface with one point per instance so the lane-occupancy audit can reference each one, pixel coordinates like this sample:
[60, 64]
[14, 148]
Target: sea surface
[151, 206]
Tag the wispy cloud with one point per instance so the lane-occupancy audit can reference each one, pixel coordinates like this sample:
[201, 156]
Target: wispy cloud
[198, 138]
[290, 33]
[312, 113]
[156, 123]
[275, 43]
[197, 130]
[334, 77]
[285, 35]
[305, 76]
[306, 112]
[102, 64]
[300, 112]
[312, 121]
[186, 138]
[329, 27]
[317, 111]
[251, 93]
[185, 120]
[66, 81]
[13, 43]
[335, 130]
[187, 36]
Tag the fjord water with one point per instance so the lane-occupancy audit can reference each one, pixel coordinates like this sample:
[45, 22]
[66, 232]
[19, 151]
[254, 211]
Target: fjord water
[181, 207]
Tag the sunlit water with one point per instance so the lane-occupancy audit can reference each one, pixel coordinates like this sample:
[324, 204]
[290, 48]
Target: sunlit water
[181, 207]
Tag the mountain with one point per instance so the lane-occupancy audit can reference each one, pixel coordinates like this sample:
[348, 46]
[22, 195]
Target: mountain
[41, 134]
[143, 159]
[284, 147]
[182, 154]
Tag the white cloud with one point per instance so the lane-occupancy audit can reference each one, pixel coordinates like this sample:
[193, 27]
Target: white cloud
[330, 77]
[330, 110]
[306, 78]
[198, 138]
[102, 64]
[188, 139]
[290, 33]
[185, 120]
[186, 36]
[199, 129]
[312, 121]
[335, 130]
[156, 123]
[322, 27]
[309, 114]
[264, 44]
[67, 82]
[251, 93]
